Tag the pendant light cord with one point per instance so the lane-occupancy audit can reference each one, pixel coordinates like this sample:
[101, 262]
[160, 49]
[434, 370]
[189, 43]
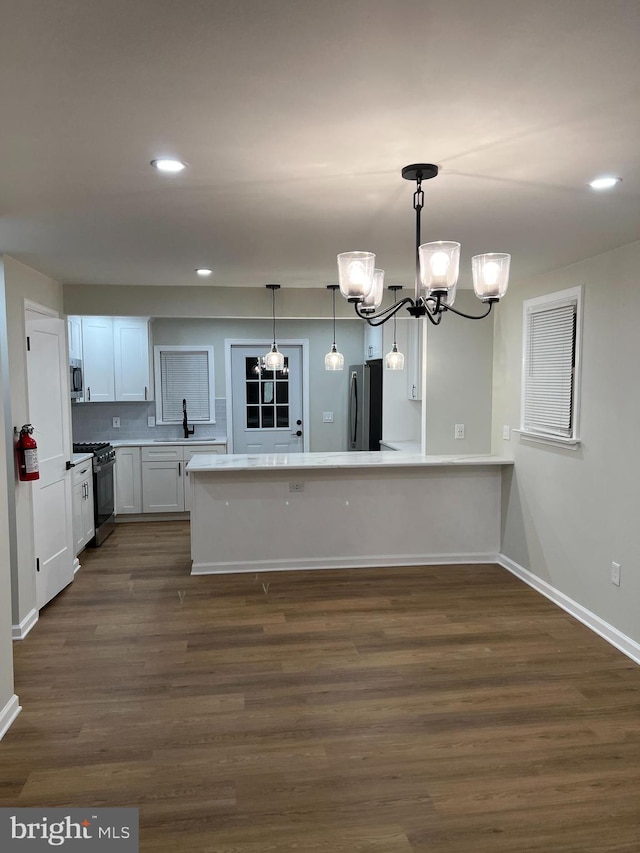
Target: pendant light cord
[333, 294]
[273, 303]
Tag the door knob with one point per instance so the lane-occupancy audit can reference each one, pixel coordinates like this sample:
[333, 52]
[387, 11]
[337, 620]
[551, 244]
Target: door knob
[298, 432]
[299, 423]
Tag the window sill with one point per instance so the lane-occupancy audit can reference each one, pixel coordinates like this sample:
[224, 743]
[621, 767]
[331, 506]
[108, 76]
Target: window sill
[554, 440]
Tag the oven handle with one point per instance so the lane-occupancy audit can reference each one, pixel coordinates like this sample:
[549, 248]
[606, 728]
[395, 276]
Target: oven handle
[104, 466]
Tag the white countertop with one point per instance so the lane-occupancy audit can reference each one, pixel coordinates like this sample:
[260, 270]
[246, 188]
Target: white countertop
[365, 459]
[79, 458]
[150, 442]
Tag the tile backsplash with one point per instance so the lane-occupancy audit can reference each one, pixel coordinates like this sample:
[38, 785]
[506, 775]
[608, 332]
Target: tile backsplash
[94, 422]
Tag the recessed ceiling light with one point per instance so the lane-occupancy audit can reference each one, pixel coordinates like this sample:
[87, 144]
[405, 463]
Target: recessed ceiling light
[167, 165]
[203, 272]
[604, 183]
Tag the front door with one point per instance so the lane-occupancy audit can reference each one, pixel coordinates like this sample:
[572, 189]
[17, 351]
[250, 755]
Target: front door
[49, 413]
[266, 404]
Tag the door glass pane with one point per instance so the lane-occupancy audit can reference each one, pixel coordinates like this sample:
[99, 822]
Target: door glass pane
[267, 395]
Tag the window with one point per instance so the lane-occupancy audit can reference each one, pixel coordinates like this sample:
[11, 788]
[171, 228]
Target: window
[550, 366]
[267, 395]
[184, 373]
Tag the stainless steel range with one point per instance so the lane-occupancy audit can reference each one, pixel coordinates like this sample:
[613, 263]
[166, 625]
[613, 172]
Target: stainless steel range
[104, 460]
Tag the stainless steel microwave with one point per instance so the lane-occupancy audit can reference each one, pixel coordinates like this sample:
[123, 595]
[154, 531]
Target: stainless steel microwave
[75, 378]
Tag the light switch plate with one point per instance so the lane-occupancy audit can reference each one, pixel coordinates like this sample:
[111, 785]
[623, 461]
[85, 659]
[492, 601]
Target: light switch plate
[115, 422]
[458, 431]
[327, 417]
[506, 432]
[151, 421]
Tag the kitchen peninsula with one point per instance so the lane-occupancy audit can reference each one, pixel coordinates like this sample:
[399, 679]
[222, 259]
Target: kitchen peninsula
[270, 512]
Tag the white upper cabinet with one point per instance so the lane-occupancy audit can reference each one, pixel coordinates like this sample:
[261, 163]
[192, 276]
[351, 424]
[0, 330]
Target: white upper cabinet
[115, 359]
[97, 359]
[74, 334]
[131, 359]
[372, 341]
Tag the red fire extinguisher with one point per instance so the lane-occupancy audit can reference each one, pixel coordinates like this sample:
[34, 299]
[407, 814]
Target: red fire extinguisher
[27, 450]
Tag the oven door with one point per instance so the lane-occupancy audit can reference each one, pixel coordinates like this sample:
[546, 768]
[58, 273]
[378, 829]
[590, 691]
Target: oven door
[104, 499]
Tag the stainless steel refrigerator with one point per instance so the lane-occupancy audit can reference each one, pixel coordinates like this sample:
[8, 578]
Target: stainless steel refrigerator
[365, 405]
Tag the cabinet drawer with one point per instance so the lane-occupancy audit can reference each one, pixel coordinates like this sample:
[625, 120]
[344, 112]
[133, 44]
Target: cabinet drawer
[203, 448]
[81, 472]
[162, 453]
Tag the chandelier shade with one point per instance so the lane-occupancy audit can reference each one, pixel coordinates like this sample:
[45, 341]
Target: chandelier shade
[490, 275]
[373, 299]
[355, 274]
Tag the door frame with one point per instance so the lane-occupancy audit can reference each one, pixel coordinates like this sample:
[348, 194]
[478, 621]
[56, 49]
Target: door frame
[263, 342]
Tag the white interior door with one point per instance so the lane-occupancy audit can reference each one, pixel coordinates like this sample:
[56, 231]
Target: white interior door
[49, 413]
[266, 405]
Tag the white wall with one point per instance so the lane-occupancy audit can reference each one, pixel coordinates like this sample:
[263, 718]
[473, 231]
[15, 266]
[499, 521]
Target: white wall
[569, 514]
[22, 283]
[6, 653]
[327, 389]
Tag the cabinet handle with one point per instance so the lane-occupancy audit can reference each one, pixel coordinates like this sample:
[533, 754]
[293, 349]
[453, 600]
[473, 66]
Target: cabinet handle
[88, 393]
[145, 392]
[179, 469]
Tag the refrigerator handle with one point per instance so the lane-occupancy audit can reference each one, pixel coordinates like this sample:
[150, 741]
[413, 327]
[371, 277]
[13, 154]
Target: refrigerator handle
[354, 407]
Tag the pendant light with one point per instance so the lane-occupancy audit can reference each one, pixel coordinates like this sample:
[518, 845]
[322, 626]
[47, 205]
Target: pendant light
[333, 360]
[394, 360]
[274, 360]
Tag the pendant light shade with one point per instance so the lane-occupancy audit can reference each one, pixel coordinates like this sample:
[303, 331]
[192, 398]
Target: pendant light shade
[274, 360]
[333, 360]
[394, 360]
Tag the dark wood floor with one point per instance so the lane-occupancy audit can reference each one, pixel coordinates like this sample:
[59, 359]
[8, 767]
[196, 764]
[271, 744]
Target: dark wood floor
[416, 710]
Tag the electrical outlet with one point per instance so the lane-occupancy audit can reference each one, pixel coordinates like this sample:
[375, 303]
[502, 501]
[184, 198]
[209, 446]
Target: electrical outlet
[458, 431]
[506, 432]
[615, 573]
[327, 417]
[151, 421]
[296, 487]
[116, 423]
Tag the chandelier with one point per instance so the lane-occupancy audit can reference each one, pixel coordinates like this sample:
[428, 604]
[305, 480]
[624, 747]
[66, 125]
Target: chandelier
[436, 279]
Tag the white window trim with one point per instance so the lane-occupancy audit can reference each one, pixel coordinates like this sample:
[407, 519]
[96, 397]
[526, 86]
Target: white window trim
[158, 348]
[572, 295]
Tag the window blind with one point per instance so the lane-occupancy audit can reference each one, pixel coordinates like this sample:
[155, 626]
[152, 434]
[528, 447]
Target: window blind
[549, 370]
[184, 375]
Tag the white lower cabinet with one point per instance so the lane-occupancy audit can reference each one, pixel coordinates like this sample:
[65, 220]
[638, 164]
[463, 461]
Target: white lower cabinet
[128, 481]
[83, 521]
[160, 471]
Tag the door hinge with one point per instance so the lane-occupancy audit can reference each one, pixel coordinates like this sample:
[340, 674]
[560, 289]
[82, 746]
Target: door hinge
[28, 344]
[37, 564]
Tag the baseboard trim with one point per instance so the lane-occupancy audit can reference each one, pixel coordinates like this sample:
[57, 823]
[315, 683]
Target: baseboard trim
[19, 632]
[359, 562]
[8, 714]
[125, 518]
[76, 566]
[612, 635]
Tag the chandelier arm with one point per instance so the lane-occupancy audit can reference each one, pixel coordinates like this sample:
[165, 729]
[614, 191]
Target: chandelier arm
[471, 316]
[385, 314]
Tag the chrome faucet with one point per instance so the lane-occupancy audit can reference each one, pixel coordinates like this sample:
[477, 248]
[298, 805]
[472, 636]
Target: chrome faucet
[185, 425]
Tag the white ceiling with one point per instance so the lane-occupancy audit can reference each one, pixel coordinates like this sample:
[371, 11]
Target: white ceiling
[296, 117]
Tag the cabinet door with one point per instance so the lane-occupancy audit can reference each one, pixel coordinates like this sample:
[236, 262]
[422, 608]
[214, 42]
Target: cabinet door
[372, 341]
[97, 359]
[193, 451]
[78, 527]
[88, 518]
[162, 488]
[128, 480]
[74, 336]
[131, 359]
